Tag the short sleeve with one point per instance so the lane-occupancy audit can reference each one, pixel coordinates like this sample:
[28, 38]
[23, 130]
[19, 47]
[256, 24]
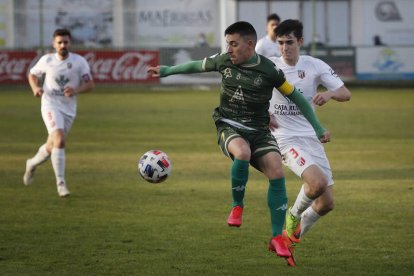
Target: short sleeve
[212, 63]
[40, 67]
[280, 80]
[327, 75]
[84, 67]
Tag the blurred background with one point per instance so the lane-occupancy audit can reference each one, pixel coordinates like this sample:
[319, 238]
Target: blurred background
[365, 41]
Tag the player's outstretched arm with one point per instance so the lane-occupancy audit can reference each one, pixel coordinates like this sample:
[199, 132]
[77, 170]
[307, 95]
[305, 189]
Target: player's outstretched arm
[154, 71]
[307, 111]
[184, 68]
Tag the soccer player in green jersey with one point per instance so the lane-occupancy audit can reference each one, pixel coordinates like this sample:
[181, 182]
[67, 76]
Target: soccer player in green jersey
[242, 120]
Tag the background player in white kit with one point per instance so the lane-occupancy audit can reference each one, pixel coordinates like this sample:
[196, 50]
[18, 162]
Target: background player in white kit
[66, 75]
[267, 45]
[302, 152]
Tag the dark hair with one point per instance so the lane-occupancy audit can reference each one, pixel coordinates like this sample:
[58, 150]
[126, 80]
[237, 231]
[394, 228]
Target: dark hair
[288, 26]
[273, 16]
[62, 32]
[243, 28]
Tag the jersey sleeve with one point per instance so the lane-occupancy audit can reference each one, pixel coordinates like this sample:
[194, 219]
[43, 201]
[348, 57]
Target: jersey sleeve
[328, 78]
[211, 63]
[85, 70]
[286, 88]
[281, 84]
[190, 67]
[40, 67]
[307, 111]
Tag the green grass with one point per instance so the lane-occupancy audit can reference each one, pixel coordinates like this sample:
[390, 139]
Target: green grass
[114, 223]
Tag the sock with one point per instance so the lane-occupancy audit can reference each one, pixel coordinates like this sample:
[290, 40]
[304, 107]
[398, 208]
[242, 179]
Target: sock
[277, 202]
[239, 176]
[309, 218]
[58, 164]
[41, 156]
[301, 204]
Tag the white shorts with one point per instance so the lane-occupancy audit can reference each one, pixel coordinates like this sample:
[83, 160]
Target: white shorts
[54, 119]
[298, 153]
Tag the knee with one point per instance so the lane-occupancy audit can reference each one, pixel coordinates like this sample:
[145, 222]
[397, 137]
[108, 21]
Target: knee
[58, 141]
[60, 144]
[316, 187]
[275, 173]
[241, 153]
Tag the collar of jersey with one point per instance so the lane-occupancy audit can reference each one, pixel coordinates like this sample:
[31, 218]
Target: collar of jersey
[255, 60]
[61, 60]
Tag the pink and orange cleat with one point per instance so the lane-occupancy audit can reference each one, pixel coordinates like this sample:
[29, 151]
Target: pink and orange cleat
[235, 217]
[278, 245]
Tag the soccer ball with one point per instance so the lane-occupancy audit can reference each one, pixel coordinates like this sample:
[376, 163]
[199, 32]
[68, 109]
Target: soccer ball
[154, 166]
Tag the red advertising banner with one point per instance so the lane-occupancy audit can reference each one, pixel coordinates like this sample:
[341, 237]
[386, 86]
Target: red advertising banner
[14, 65]
[121, 66]
[106, 66]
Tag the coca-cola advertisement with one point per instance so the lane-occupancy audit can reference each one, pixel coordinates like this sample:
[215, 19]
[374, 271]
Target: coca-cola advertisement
[121, 66]
[106, 66]
[14, 66]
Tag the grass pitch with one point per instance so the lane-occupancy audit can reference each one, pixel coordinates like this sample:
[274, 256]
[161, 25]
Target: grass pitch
[114, 223]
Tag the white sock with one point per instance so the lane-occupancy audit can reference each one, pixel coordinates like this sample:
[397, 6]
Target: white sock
[41, 156]
[58, 164]
[301, 204]
[309, 218]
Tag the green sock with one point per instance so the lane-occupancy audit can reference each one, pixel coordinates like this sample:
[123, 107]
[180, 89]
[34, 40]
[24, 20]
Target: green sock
[277, 202]
[239, 176]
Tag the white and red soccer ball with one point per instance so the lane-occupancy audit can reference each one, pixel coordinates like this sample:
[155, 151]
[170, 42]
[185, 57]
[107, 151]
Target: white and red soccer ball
[154, 166]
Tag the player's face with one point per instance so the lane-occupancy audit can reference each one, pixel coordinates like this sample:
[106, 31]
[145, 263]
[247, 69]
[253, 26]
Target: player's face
[289, 47]
[271, 25]
[240, 49]
[62, 45]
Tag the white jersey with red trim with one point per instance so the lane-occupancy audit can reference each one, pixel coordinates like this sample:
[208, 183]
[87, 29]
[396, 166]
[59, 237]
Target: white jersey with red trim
[306, 76]
[60, 74]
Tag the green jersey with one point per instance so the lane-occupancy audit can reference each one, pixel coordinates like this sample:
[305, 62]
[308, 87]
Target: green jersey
[245, 90]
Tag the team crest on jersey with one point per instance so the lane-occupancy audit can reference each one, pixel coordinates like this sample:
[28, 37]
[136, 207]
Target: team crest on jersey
[69, 65]
[258, 81]
[301, 74]
[227, 73]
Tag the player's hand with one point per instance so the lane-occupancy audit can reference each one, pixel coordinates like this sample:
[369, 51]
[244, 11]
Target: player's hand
[38, 92]
[273, 125]
[154, 71]
[326, 137]
[69, 92]
[322, 98]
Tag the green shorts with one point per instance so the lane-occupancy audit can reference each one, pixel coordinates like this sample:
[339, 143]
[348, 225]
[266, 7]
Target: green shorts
[260, 141]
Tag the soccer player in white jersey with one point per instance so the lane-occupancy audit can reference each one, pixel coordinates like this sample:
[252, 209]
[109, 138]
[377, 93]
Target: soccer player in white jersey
[267, 45]
[65, 76]
[301, 150]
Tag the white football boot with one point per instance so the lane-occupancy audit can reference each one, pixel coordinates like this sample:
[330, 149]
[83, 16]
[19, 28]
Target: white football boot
[62, 189]
[28, 174]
